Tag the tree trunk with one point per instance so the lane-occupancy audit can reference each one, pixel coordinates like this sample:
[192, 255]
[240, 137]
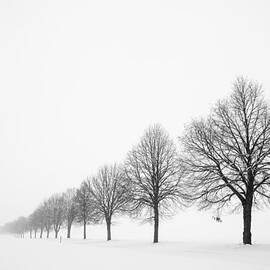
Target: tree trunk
[41, 232]
[56, 234]
[108, 223]
[156, 224]
[84, 229]
[48, 233]
[68, 230]
[30, 234]
[35, 233]
[247, 223]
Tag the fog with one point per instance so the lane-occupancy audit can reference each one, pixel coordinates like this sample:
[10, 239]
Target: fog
[81, 80]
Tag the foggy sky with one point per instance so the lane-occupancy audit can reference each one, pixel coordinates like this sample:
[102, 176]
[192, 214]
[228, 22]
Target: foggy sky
[81, 80]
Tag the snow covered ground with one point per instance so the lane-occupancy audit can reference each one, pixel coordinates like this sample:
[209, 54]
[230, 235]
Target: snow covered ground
[50, 254]
[191, 240]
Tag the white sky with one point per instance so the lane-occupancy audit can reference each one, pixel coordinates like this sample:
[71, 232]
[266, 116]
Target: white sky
[81, 80]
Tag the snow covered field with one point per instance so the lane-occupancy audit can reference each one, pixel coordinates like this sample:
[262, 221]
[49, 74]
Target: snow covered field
[44, 254]
[214, 246]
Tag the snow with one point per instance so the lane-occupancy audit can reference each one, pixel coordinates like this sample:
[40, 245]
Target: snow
[183, 245]
[50, 254]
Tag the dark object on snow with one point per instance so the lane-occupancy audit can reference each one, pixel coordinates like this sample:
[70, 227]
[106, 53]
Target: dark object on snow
[217, 219]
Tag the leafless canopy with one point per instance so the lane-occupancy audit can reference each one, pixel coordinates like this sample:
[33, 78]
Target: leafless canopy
[228, 154]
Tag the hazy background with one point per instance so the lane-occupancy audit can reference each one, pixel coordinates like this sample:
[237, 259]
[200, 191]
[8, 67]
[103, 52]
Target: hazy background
[81, 80]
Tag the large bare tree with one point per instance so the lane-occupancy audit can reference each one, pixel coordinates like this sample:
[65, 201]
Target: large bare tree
[110, 193]
[228, 154]
[154, 169]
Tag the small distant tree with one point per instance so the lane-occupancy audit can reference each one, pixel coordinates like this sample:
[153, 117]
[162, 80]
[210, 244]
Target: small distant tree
[33, 223]
[227, 155]
[155, 172]
[41, 219]
[110, 194]
[36, 222]
[28, 227]
[71, 209]
[18, 226]
[85, 205]
[58, 212]
[47, 211]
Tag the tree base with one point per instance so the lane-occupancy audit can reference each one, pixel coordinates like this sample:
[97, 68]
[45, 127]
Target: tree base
[247, 238]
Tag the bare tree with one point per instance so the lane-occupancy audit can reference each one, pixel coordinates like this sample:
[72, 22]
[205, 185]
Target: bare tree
[29, 226]
[47, 213]
[154, 169]
[37, 221]
[58, 212]
[41, 219]
[85, 205]
[33, 223]
[71, 211]
[110, 194]
[18, 227]
[228, 154]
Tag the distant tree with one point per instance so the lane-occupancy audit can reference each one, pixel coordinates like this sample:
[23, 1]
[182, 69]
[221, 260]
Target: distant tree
[85, 205]
[71, 210]
[154, 170]
[41, 219]
[227, 155]
[47, 212]
[33, 223]
[30, 226]
[19, 226]
[58, 212]
[36, 222]
[110, 194]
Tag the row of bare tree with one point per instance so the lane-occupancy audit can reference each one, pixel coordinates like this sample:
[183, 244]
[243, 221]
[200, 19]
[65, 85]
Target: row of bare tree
[223, 162]
[148, 184]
